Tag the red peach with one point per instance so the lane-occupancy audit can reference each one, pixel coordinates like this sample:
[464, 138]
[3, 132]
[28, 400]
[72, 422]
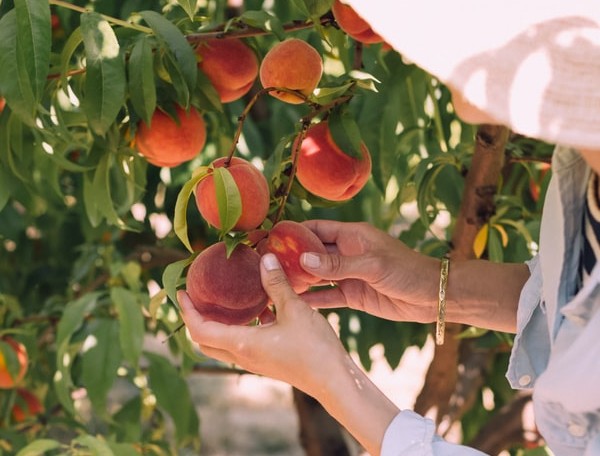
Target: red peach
[167, 142]
[254, 193]
[326, 171]
[230, 65]
[292, 64]
[228, 290]
[354, 25]
[6, 379]
[26, 406]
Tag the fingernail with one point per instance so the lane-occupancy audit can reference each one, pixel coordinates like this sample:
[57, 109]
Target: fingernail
[310, 260]
[270, 262]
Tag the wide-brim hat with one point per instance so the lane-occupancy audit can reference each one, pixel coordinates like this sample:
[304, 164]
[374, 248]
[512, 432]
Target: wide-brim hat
[533, 66]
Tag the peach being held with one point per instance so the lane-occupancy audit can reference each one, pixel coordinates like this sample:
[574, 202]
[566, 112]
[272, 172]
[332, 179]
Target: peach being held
[230, 65]
[292, 64]
[326, 171]
[254, 194]
[288, 240]
[224, 289]
[169, 142]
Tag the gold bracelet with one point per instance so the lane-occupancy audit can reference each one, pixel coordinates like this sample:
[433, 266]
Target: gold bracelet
[440, 324]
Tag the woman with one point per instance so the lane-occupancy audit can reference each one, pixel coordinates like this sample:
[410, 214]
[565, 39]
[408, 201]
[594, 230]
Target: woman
[534, 67]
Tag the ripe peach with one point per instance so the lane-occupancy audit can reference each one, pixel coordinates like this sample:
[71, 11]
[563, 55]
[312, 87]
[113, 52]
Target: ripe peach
[169, 142]
[2, 104]
[230, 65]
[254, 193]
[292, 64]
[224, 289]
[354, 25]
[26, 406]
[326, 171]
[6, 379]
[288, 240]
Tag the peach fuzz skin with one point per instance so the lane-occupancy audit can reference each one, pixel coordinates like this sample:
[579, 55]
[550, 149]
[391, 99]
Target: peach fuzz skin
[227, 290]
[326, 171]
[167, 142]
[287, 240]
[292, 64]
[254, 193]
[230, 65]
[354, 25]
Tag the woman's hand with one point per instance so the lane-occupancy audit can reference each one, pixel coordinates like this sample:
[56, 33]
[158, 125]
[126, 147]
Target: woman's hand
[293, 348]
[298, 347]
[374, 273]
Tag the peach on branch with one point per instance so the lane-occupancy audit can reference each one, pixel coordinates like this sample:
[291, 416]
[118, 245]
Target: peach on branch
[326, 171]
[230, 65]
[354, 25]
[224, 289]
[254, 194]
[287, 240]
[170, 142]
[291, 64]
[10, 379]
[26, 406]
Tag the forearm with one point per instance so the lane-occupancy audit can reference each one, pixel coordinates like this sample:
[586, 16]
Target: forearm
[355, 402]
[485, 294]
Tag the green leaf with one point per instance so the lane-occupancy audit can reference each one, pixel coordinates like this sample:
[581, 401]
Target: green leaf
[265, 21]
[229, 200]
[313, 8]
[181, 205]
[345, 132]
[14, 83]
[123, 449]
[105, 79]
[34, 40]
[72, 319]
[142, 87]
[99, 363]
[131, 323]
[39, 447]
[189, 6]
[69, 48]
[494, 247]
[171, 276]
[102, 191]
[174, 40]
[173, 396]
[97, 446]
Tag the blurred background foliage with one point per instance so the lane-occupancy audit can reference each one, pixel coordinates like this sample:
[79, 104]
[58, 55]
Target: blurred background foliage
[86, 234]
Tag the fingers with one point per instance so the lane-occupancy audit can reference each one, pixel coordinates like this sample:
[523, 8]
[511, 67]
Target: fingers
[327, 298]
[327, 230]
[339, 267]
[275, 282]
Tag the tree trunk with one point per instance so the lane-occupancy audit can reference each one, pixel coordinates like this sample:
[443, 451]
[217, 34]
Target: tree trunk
[320, 434]
[476, 209]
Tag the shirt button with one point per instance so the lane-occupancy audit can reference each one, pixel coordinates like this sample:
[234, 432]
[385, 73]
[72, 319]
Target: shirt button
[525, 380]
[576, 430]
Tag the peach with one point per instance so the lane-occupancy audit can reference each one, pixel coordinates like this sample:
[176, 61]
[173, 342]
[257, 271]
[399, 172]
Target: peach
[26, 406]
[354, 25]
[288, 240]
[224, 289]
[292, 64]
[326, 171]
[6, 379]
[254, 193]
[169, 142]
[2, 104]
[230, 65]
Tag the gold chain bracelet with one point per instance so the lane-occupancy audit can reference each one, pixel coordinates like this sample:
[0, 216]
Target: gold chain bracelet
[440, 324]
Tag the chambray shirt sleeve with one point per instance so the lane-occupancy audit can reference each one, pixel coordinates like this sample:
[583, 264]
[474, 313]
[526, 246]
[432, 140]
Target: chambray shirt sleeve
[410, 434]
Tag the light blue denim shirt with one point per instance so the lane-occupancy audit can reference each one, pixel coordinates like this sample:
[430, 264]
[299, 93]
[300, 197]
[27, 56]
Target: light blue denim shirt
[557, 346]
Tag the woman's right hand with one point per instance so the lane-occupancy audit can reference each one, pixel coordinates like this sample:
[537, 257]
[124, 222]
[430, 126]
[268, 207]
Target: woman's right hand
[373, 272]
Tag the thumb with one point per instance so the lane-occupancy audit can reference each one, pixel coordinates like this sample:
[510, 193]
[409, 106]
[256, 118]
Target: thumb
[331, 266]
[275, 282]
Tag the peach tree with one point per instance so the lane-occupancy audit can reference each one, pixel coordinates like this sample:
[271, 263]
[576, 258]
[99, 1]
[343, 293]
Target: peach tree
[114, 113]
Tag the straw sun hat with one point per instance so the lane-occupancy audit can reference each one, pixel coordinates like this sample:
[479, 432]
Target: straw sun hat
[531, 65]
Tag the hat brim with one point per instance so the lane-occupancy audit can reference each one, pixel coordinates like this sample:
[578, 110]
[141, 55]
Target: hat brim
[534, 66]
